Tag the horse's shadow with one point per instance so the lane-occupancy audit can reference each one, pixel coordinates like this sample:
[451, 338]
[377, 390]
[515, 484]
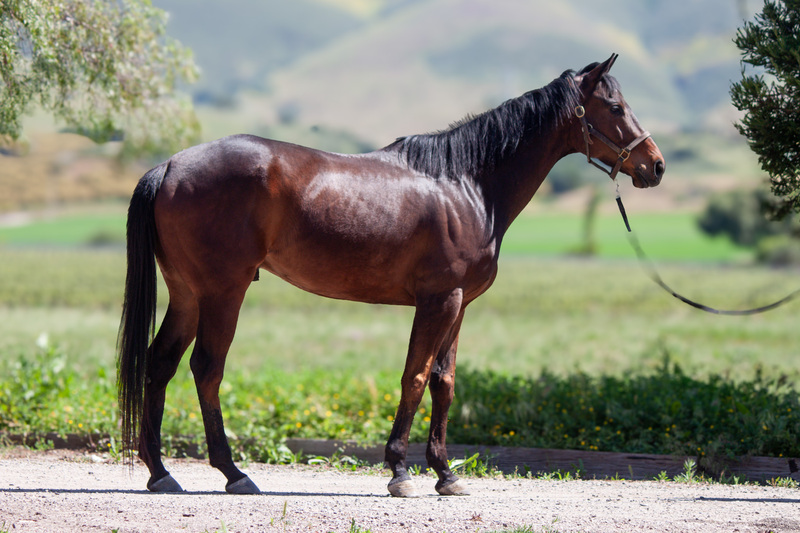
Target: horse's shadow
[793, 501]
[282, 494]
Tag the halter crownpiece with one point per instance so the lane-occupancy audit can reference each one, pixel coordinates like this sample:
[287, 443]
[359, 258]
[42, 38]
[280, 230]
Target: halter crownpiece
[622, 153]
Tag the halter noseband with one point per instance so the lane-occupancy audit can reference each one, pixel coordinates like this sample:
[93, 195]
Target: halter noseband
[622, 153]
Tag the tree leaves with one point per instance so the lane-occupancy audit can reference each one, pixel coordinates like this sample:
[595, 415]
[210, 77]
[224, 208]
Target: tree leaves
[106, 69]
[771, 98]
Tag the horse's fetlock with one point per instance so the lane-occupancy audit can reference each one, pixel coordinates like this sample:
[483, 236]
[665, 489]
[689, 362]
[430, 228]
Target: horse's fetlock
[395, 453]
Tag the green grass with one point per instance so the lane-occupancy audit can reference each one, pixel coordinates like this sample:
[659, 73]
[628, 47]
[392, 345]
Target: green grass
[68, 230]
[557, 314]
[665, 236]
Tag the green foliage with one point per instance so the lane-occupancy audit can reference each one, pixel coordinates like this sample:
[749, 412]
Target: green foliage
[476, 465]
[41, 393]
[778, 250]
[771, 98]
[667, 412]
[689, 474]
[106, 69]
[783, 482]
[355, 528]
[741, 216]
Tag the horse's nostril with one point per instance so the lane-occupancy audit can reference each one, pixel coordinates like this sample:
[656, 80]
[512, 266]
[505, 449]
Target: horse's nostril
[659, 168]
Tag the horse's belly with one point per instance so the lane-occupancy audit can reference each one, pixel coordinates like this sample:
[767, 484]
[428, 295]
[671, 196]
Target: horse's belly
[344, 277]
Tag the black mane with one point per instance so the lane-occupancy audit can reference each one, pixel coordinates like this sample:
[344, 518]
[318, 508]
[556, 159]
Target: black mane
[477, 143]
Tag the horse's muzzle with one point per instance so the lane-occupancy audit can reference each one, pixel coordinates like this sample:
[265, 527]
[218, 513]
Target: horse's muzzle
[649, 177]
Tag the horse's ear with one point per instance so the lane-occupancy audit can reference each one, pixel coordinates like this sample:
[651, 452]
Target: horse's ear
[587, 80]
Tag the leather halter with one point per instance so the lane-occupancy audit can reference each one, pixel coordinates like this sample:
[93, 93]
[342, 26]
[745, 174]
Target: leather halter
[622, 153]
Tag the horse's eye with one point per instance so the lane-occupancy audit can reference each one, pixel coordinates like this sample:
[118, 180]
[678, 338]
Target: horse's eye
[616, 109]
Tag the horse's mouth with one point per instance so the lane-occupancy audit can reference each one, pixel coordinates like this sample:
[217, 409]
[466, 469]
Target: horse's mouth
[645, 179]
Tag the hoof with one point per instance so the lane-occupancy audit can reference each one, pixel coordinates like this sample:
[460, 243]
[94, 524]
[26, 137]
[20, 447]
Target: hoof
[403, 488]
[452, 488]
[165, 484]
[243, 486]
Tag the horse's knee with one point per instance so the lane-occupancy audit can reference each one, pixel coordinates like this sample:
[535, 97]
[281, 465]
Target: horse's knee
[415, 384]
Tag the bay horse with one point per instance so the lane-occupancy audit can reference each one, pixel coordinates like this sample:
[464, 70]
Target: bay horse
[418, 223]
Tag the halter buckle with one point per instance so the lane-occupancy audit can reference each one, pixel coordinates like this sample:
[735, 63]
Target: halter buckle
[580, 112]
[624, 154]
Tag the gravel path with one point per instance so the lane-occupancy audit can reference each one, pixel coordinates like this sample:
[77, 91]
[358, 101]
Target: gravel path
[68, 491]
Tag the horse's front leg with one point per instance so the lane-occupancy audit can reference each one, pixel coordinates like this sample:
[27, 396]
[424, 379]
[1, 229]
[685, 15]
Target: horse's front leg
[442, 383]
[434, 318]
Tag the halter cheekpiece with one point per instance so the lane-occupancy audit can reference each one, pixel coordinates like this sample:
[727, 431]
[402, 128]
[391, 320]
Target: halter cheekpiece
[622, 153]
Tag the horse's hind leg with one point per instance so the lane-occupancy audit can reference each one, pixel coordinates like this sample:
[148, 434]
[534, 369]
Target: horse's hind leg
[177, 331]
[218, 317]
[442, 385]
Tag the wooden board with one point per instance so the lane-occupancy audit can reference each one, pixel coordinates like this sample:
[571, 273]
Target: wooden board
[597, 465]
[590, 464]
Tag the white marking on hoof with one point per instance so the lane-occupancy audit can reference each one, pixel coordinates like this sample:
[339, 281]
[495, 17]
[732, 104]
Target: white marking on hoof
[403, 489]
[454, 488]
[243, 486]
[165, 484]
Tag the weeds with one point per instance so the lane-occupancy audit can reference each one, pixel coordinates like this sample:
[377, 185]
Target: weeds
[559, 475]
[689, 474]
[530, 529]
[283, 521]
[113, 451]
[784, 482]
[662, 476]
[663, 413]
[415, 470]
[733, 479]
[477, 465]
[354, 528]
[223, 528]
[667, 412]
[339, 461]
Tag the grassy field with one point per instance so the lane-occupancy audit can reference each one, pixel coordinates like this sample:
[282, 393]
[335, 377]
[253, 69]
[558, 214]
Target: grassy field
[667, 236]
[561, 352]
[562, 314]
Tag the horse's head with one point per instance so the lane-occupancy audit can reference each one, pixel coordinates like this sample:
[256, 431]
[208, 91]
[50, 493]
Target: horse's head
[603, 115]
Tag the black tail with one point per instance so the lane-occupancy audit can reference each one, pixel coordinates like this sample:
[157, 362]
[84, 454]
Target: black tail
[138, 323]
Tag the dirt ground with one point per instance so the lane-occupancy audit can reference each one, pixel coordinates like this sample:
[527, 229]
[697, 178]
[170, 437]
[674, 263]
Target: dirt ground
[68, 491]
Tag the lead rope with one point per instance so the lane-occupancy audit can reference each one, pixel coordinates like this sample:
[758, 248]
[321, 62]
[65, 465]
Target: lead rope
[648, 266]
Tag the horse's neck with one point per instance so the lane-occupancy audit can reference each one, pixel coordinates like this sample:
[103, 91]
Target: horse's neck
[520, 175]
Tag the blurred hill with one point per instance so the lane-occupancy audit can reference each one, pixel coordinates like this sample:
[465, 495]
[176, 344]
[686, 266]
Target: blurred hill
[384, 68]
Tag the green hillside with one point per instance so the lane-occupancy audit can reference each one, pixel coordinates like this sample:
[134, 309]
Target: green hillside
[237, 43]
[383, 68]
